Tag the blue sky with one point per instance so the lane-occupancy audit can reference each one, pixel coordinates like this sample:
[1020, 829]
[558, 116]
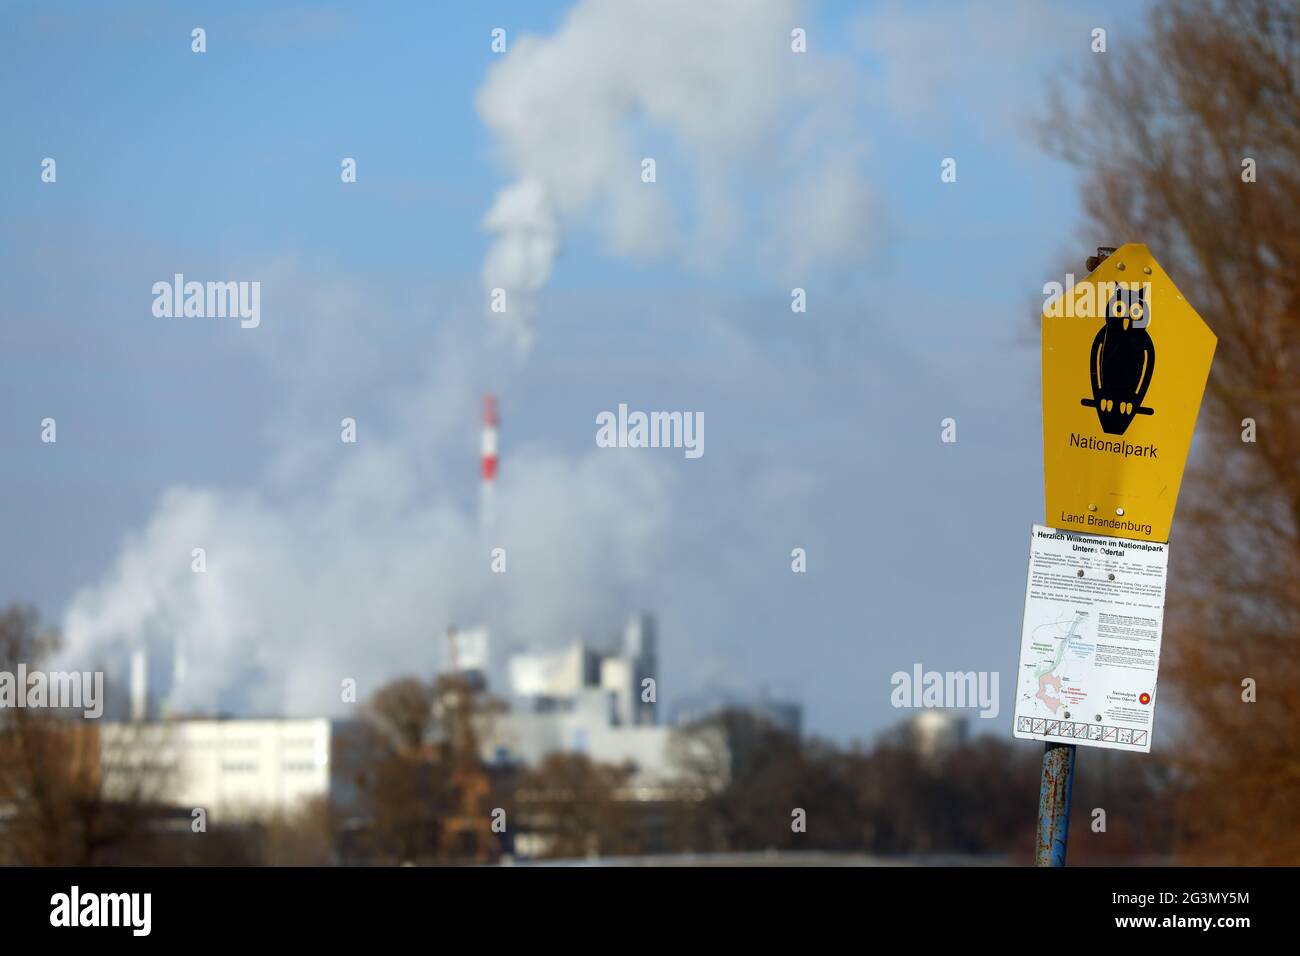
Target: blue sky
[822, 428]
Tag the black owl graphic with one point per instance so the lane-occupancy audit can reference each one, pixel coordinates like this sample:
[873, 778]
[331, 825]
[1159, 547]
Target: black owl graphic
[1121, 361]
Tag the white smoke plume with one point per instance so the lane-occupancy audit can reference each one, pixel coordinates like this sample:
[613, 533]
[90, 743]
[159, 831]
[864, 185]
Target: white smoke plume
[350, 560]
[746, 134]
[356, 584]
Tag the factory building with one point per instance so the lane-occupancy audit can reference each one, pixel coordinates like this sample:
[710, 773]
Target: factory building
[622, 680]
[582, 699]
[574, 699]
[234, 769]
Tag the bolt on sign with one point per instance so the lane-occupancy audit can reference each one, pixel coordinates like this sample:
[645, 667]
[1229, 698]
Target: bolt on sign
[1125, 361]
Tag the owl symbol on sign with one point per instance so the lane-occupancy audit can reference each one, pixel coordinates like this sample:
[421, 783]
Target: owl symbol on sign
[1122, 360]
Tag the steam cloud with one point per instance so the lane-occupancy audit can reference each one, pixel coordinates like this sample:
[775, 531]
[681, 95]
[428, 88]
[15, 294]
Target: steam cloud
[752, 132]
[335, 565]
[352, 564]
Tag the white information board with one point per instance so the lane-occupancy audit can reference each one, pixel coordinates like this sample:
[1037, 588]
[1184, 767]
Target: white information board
[1090, 646]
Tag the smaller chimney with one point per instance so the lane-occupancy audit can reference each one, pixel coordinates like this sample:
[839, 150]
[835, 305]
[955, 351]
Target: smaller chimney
[139, 684]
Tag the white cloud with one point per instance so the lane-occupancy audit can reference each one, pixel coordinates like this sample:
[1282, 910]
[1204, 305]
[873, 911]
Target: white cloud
[714, 93]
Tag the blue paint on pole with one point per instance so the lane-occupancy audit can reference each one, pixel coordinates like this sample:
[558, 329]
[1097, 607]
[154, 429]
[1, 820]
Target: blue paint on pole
[1054, 804]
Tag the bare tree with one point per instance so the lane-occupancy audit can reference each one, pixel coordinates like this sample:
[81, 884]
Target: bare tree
[571, 804]
[57, 810]
[1190, 138]
[426, 787]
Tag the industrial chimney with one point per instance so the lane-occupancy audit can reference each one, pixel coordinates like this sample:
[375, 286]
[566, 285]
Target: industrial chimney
[487, 504]
[139, 684]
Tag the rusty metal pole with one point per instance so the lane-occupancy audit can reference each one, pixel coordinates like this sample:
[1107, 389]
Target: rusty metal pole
[1054, 804]
[1058, 759]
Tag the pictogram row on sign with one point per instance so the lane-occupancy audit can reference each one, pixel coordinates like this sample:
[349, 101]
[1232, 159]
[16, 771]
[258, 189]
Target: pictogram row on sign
[1081, 731]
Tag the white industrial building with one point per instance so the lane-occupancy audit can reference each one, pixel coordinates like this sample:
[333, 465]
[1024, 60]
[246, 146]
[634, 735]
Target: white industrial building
[233, 769]
[580, 699]
[576, 699]
[623, 680]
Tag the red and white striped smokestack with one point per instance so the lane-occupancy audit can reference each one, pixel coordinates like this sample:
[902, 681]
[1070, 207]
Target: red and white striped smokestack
[488, 475]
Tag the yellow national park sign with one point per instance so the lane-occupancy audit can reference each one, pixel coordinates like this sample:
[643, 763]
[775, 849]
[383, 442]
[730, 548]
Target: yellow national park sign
[1125, 361]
